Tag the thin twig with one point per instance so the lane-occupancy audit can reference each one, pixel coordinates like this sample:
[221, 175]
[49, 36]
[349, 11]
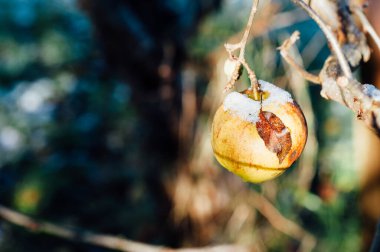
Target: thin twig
[248, 29]
[330, 37]
[101, 240]
[281, 223]
[241, 45]
[284, 50]
[252, 77]
[106, 241]
[366, 25]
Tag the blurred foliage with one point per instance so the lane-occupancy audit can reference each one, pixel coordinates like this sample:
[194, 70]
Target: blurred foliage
[64, 127]
[70, 138]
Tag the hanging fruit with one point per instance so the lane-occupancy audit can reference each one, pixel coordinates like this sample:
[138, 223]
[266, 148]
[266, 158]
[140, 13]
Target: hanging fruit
[258, 138]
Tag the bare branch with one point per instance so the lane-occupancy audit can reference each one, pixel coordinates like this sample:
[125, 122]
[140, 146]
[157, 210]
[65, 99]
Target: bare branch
[241, 45]
[284, 50]
[330, 37]
[282, 224]
[364, 100]
[252, 77]
[101, 240]
[248, 29]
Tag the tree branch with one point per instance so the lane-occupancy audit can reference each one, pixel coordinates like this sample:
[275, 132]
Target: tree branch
[330, 37]
[251, 74]
[364, 100]
[284, 51]
[241, 45]
[101, 240]
[282, 224]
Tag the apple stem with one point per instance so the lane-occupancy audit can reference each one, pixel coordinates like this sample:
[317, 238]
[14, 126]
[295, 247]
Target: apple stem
[255, 86]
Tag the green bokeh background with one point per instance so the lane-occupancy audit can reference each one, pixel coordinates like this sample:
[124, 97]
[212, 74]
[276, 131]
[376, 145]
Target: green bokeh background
[70, 138]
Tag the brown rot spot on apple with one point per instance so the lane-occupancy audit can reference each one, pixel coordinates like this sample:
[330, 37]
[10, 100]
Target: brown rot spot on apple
[258, 139]
[275, 134]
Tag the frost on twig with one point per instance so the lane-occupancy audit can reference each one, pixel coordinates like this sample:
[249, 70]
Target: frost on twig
[351, 93]
[348, 52]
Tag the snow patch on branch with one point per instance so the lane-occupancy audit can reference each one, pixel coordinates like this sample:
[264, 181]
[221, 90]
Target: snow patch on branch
[372, 92]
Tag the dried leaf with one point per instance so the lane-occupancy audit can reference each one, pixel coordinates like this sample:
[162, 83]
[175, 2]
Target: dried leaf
[275, 134]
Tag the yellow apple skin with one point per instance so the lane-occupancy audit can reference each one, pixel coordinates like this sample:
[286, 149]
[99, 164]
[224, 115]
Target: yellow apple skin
[239, 148]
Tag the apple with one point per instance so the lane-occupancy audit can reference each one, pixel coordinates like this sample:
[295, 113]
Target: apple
[258, 139]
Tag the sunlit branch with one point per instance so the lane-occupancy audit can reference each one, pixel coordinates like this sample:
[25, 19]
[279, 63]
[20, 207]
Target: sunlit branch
[330, 37]
[284, 50]
[241, 45]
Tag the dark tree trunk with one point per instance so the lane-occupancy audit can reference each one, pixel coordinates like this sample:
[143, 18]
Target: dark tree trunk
[143, 42]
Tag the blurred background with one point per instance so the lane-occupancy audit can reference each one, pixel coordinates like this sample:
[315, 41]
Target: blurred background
[105, 112]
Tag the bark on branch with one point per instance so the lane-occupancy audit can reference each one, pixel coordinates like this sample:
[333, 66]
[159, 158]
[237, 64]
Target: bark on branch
[336, 80]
